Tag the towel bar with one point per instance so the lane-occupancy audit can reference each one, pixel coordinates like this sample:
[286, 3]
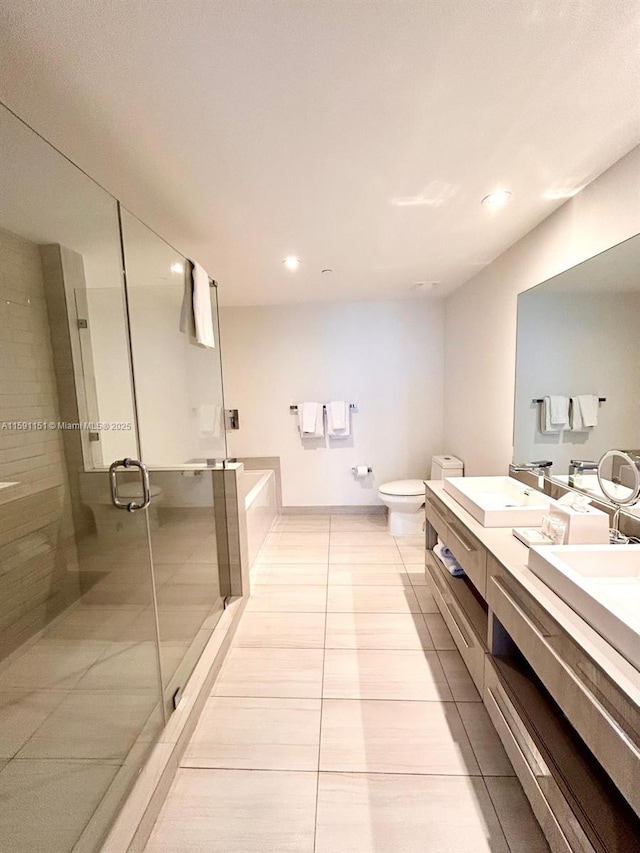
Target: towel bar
[352, 406]
[541, 400]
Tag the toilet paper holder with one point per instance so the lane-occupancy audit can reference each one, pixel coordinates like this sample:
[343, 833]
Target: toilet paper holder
[354, 470]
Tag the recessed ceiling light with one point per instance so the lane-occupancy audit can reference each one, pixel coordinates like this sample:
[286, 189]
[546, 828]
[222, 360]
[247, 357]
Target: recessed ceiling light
[291, 262]
[177, 268]
[425, 285]
[496, 199]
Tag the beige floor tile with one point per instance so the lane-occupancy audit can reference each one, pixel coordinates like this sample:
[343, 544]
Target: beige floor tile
[301, 524]
[426, 601]
[412, 554]
[298, 554]
[237, 811]
[21, 713]
[294, 539]
[377, 631]
[94, 623]
[440, 635]
[256, 734]
[458, 678]
[187, 594]
[339, 554]
[273, 673]
[374, 574]
[384, 674]
[351, 523]
[395, 737]
[416, 575]
[364, 539]
[270, 598]
[292, 573]
[486, 744]
[91, 725]
[410, 540]
[124, 666]
[176, 625]
[519, 824]
[51, 664]
[371, 599]
[389, 813]
[281, 631]
[45, 805]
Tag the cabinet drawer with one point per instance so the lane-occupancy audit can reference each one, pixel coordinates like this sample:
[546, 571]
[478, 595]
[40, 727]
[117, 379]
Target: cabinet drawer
[470, 553]
[553, 812]
[467, 550]
[601, 714]
[469, 644]
[437, 515]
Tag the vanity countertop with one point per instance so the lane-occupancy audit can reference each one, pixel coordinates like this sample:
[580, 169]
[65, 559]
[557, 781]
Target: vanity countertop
[513, 555]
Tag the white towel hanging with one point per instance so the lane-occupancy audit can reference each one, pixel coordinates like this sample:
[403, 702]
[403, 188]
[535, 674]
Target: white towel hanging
[338, 424]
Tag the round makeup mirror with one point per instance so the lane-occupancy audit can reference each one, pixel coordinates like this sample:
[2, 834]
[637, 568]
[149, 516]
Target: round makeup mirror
[619, 477]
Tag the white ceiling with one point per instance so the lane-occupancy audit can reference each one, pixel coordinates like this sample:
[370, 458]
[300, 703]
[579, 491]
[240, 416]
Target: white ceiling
[245, 130]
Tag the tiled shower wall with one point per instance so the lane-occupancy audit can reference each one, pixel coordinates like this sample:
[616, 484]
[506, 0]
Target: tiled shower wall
[38, 558]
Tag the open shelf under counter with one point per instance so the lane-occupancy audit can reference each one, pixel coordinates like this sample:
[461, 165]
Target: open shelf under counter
[574, 798]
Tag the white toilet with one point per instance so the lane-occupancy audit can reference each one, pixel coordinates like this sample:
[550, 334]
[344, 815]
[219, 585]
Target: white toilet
[405, 498]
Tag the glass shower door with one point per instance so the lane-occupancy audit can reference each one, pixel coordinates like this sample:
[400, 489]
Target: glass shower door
[80, 690]
[181, 420]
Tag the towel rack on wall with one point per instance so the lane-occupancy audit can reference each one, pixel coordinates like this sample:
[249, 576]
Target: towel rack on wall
[541, 400]
[352, 406]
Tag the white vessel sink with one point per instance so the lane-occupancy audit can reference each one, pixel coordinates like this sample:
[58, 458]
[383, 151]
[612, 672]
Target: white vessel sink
[602, 584]
[498, 501]
[589, 483]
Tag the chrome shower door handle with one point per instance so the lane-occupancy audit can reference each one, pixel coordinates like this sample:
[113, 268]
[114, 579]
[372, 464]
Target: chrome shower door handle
[130, 506]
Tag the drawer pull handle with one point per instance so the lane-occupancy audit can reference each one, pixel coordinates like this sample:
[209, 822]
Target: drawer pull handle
[527, 747]
[468, 548]
[522, 609]
[577, 678]
[447, 597]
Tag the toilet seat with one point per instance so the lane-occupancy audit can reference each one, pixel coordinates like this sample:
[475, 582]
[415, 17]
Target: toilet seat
[403, 488]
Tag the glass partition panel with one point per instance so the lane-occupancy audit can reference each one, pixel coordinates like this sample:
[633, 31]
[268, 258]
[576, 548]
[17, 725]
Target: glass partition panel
[180, 411]
[178, 382]
[80, 698]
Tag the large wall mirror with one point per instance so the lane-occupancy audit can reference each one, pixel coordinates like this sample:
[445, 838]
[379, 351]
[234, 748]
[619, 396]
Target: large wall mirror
[579, 336]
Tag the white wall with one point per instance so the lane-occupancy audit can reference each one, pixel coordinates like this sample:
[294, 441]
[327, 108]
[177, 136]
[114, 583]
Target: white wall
[480, 317]
[385, 356]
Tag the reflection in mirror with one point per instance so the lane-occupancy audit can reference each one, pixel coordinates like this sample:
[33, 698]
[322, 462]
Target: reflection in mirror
[619, 477]
[577, 341]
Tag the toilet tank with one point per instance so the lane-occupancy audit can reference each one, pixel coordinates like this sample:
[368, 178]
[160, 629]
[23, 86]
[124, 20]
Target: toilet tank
[446, 466]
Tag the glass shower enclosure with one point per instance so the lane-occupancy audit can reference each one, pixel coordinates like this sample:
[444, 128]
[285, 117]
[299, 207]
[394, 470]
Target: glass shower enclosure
[103, 611]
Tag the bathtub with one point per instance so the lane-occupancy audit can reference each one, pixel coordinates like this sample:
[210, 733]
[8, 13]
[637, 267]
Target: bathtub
[261, 507]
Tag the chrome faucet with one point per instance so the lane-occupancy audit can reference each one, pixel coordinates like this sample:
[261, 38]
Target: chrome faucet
[541, 467]
[537, 469]
[579, 466]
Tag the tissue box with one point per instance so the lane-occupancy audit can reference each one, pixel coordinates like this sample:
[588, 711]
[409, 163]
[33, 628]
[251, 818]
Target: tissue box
[588, 526]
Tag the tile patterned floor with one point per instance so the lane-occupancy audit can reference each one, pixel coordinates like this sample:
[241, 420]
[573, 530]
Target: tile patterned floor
[80, 705]
[344, 720]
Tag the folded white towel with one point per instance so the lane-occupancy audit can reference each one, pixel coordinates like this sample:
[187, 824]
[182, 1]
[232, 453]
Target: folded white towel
[555, 414]
[311, 419]
[575, 415]
[338, 425]
[589, 410]
[202, 307]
